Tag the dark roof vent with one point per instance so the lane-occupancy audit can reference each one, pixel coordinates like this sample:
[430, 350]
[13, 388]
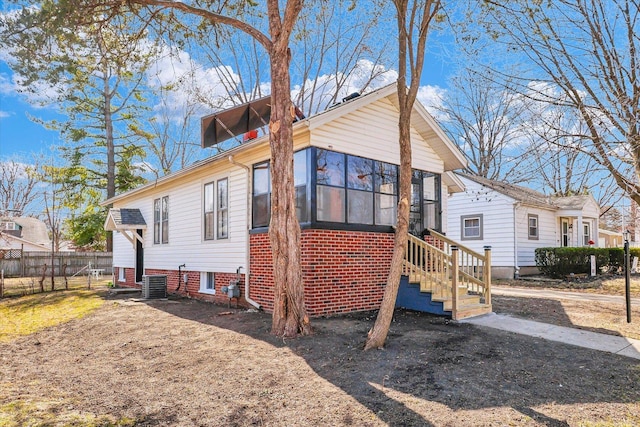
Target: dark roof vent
[351, 96]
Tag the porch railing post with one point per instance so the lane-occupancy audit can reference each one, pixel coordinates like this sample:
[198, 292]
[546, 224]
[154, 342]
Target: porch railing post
[487, 274]
[454, 282]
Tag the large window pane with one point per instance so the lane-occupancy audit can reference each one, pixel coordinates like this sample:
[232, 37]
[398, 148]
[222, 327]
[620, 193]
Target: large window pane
[330, 168]
[360, 207]
[261, 210]
[431, 215]
[386, 209]
[429, 186]
[386, 178]
[261, 178]
[300, 167]
[302, 209]
[360, 173]
[330, 203]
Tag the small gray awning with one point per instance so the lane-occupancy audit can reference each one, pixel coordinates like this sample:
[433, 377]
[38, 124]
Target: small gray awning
[126, 221]
[235, 121]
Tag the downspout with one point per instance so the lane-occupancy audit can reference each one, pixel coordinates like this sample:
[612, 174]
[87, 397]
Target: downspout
[516, 267]
[248, 248]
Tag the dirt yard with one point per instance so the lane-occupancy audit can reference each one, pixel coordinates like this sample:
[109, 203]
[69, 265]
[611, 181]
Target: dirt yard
[187, 363]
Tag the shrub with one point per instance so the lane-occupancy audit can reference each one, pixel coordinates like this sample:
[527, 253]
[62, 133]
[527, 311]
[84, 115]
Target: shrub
[560, 262]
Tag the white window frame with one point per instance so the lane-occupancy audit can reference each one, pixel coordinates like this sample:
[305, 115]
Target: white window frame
[222, 210]
[464, 228]
[121, 275]
[161, 220]
[586, 233]
[209, 186]
[535, 236]
[206, 278]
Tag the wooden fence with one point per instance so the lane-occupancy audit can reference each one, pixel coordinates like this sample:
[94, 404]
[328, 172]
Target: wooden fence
[17, 263]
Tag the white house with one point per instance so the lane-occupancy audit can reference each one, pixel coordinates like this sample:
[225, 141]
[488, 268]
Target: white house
[25, 233]
[207, 224]
[515, 220]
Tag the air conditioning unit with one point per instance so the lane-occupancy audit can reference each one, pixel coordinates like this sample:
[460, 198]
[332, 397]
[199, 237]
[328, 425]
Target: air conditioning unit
[154, 286]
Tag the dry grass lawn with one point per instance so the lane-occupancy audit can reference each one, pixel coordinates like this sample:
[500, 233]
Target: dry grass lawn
[188, 363]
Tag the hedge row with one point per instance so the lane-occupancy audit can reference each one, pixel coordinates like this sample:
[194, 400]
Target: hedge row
[560, 262]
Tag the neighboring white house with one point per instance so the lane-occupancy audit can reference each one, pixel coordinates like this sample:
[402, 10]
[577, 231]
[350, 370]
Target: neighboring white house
[26, 233]
[515, 220]
[207, 224]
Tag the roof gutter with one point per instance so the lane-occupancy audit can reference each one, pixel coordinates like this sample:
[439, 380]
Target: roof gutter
[248, 248]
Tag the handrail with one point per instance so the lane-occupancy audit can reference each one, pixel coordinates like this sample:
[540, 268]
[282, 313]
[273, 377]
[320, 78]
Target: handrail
[431, 264]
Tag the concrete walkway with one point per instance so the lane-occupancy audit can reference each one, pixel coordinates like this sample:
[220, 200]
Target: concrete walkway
[613, 344]
[602, 342]
[554, 294]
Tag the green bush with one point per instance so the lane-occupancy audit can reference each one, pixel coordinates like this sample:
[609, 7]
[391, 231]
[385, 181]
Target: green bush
[616, 260]
[560, 262]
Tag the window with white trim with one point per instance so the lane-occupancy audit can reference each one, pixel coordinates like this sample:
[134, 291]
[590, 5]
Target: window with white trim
[209, 201]
[121, 275]
[532, 221]
[207, 282]
[471, 227]
[223, 209]
[161, 220]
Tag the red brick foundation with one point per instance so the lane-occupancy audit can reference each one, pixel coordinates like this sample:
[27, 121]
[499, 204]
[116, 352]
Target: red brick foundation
[343, 271]
[192, 288]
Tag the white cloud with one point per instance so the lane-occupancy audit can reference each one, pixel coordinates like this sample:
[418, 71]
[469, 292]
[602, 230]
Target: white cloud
[4, 114]
[189, 86]
[331, 88]
[432, 97]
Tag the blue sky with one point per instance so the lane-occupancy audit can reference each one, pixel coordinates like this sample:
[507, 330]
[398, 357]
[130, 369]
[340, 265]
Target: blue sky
[21, 137]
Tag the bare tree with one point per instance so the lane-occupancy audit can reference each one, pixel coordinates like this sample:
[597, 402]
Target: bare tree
[556, 159]
[486, 119]
[588, 51]
[414, 19]
[18, 187]
[289, 315]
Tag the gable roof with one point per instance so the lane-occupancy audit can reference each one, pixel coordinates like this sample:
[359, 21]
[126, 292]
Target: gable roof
[421, 121]
[571, 202]
[8, 238]
[124, 219]
[32, 230]
[531, 197]
[516, 192]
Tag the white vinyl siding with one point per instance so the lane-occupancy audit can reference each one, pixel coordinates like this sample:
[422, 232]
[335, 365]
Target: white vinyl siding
[186, 224]
[372, 132]
[497, 221]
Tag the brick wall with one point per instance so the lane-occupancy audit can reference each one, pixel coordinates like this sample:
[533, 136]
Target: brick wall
[343, 271]
[192, 289]
[129, 277]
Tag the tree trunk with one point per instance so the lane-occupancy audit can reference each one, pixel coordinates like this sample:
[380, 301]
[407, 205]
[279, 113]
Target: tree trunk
[44, 274]
[378, 334]
[406, 98]
[289, 312]
[110, 144]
